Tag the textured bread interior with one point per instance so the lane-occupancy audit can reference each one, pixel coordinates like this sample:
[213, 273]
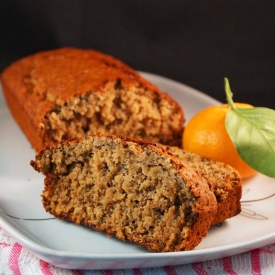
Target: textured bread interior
[127, 190]
[134, 112]
[225, 180]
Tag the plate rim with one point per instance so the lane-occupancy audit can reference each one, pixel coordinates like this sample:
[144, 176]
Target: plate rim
[212, 253]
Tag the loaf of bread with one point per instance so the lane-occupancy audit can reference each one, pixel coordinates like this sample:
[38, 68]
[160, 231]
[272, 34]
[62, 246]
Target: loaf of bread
[131, 189]
[226, 181]
[67, 93]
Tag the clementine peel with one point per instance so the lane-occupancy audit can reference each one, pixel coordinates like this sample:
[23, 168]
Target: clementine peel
[206, 135]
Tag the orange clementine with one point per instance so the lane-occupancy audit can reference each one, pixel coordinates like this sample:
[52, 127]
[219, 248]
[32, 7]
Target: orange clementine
[205, 134]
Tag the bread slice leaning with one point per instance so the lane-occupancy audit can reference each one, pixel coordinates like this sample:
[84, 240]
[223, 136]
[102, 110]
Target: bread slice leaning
[128, 188]
[225, 180]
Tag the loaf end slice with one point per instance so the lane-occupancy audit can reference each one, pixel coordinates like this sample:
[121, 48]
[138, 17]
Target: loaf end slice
[128, 188]
[68, 93]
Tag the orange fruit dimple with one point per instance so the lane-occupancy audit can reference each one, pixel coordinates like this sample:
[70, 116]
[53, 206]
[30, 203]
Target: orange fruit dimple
[205, 134]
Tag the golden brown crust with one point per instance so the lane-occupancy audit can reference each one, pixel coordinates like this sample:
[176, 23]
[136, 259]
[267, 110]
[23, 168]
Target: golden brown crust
[175, 205]
[48, 80]
[226, 181]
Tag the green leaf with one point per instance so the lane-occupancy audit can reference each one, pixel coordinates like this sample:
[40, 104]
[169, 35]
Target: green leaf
[252, 131]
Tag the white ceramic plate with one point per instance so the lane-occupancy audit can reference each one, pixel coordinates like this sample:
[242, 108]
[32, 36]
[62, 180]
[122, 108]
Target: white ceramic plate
[66, 245]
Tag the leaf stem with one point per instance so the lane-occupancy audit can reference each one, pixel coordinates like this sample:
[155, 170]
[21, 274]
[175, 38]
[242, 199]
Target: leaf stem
[229, 94]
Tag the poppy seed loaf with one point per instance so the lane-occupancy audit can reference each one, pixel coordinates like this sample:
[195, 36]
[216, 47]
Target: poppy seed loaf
[226, 181]
[67, 93]
[128, 188]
